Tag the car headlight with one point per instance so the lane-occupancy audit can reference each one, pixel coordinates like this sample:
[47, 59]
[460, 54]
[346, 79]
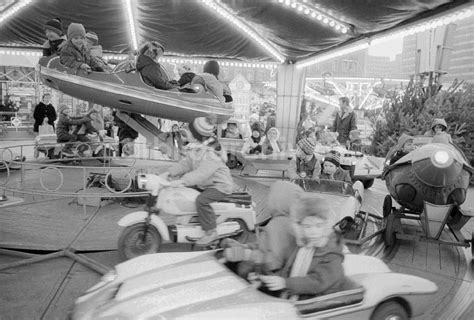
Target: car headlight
[106, 279]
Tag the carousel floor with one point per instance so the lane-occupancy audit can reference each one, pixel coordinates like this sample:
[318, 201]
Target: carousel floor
[47, 289]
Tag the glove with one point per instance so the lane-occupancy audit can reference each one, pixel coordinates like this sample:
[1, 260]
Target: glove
[237, 253]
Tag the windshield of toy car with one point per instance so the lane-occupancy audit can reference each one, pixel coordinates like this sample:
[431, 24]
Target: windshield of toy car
[326, 186]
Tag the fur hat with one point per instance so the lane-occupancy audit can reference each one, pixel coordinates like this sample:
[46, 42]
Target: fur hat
[256, 127]
[333, 157]
[76, 30]
[202, 127]
[307, 145]
[212, 67]
[92, 37]
[62, 107]
[54, 25]
[440, 122]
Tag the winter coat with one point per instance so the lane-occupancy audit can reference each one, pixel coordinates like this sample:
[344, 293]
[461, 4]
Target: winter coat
[211, 83]
[340, 175]
[41, 111]
[248, 147]
[277, 241]
[53, 47]
[153, 74]
[73, 57]
[312, 168]
[65, 123]
[325, 274]
[204, 168]
[344, 124]
[267, 147]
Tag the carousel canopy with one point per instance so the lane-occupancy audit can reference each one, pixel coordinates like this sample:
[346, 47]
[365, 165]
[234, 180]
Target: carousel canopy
[248, 30]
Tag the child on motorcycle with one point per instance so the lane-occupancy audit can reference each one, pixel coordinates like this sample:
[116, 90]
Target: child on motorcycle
[204, 168]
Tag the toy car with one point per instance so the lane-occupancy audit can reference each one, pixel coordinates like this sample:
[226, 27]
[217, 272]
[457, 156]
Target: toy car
[197, 285]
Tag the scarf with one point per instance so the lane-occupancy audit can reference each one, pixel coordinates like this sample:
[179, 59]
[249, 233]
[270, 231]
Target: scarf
[301, 265]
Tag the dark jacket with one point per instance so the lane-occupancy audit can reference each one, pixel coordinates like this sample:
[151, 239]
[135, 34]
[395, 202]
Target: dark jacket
[53, 47]
[41, 111]
[153, 74]
[73, 58]
[312, 168]
[344, 124]
[325, 274]
[65, 123]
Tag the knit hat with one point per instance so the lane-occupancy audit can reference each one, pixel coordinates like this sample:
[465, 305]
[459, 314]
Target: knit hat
[441, 122]
[333, 157]
[202, 127]
[212, 67]
[76, 30]
[92, 37]
[62, 107]
[54, 25]
[307, 145]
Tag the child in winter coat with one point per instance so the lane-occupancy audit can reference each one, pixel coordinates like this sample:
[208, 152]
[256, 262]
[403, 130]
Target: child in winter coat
[315, 267]
[148, 65]
[253, 145]
[305, 164]
[276, 242]
[53, 29]
[95, 50]
[332, 168]
[204, 168]
[75, 54]
[403, 147]
[271, 143]
[64, 128]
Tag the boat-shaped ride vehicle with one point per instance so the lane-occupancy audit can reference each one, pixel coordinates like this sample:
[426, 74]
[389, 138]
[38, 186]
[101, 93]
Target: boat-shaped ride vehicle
[124, 89]
[430, 184]
[200, 285]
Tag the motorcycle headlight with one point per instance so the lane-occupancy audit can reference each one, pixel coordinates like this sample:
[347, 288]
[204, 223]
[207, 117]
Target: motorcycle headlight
[141, 181]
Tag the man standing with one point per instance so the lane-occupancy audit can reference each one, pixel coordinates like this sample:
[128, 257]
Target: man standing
[43, 110]
[345, 122]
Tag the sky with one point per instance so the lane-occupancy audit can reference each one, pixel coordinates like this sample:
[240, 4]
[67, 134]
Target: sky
[387, 49]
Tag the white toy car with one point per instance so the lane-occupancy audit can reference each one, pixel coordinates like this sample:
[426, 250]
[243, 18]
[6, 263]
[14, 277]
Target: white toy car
[196, 285]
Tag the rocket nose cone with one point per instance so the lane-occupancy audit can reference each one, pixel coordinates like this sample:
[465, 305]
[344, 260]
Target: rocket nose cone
[438, 169]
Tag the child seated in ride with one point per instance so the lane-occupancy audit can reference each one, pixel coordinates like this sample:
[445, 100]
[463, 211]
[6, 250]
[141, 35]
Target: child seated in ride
[403, 147]
[204, 168]
[315, 266]
[53, 29]
[209, 79]
[232, 130]
[439, 132]
[253, 145]
[75, 54]
[332, 168]
[64, 128]
[276, 242]
[271, 143]
[95, 49]
[304, 164]
[148, 65]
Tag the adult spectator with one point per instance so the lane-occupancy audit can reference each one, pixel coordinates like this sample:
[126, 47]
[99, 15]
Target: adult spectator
[345, 122]
[43, 110]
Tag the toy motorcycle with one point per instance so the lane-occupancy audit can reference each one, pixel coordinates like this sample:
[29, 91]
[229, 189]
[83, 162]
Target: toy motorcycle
[145, 230]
